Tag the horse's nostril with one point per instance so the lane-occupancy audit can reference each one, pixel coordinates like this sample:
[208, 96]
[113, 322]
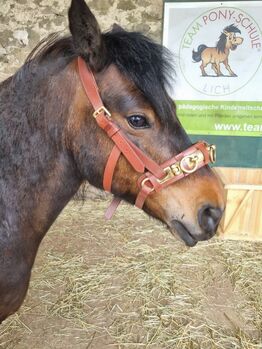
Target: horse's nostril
[209, 218]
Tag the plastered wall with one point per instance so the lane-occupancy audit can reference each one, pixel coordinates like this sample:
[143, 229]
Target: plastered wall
[23, 23]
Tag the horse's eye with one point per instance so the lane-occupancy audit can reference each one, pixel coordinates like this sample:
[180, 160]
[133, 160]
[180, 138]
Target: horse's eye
[138, 121]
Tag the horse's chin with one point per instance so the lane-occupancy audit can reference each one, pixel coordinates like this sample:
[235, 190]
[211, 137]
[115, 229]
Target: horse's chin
[178, 229]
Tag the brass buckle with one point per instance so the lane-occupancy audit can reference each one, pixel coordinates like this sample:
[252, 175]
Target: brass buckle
[193, 162]
[176, 169]
[100, 110]
[169, 175]
[212, 152]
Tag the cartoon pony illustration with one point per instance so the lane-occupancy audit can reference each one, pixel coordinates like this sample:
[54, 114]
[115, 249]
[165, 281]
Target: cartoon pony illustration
[219, 54]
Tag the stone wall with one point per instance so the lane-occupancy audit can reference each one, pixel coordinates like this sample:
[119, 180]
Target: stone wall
[23, 23]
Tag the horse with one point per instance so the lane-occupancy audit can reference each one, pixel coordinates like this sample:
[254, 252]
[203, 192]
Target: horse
[87, 104]
[219, 54]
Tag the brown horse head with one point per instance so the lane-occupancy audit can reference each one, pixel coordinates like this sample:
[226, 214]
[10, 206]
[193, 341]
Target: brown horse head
[132, 73]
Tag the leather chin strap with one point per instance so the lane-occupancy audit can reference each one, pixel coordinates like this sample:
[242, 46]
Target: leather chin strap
[154, 177]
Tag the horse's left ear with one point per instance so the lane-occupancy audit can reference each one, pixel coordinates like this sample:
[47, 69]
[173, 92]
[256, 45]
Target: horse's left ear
[225, 32]
[86, 34]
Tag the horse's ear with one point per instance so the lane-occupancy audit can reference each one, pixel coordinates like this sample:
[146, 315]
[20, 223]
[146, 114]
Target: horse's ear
[117, 28]
[86, 34]
[225, 32]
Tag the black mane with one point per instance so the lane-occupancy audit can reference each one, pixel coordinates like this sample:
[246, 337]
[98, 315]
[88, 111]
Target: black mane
[146, 63]
[221, 44]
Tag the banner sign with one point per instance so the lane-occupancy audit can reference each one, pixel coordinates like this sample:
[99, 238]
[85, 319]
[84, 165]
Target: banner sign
[218, 46]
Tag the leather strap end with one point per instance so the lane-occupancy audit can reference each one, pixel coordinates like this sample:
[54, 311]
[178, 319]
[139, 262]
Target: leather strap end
[112, 208]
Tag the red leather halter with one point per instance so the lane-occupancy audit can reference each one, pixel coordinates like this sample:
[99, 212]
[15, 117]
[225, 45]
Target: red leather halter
[154, 177]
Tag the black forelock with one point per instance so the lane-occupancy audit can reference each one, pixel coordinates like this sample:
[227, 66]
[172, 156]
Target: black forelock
[146, 63]
[232, 29]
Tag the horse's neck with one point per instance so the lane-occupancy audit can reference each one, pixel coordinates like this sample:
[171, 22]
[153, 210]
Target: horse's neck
[38, 176]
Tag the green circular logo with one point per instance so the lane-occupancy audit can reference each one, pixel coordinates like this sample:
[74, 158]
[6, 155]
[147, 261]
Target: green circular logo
[220, 51]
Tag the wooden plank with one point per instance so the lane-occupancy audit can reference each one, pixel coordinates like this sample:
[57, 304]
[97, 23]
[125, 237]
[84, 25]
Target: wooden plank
[243, 214]
[238, 209]
[240, 175]
[243, 187]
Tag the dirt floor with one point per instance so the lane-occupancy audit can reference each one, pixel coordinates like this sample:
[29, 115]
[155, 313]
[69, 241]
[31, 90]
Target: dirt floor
[128, 284]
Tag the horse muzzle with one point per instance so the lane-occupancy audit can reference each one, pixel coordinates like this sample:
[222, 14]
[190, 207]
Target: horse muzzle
[238, 41]
[208, 220]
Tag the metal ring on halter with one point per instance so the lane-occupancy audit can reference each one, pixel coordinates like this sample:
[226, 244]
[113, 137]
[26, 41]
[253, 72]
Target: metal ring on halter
[212, 152]
[194, 159]
[144, 181]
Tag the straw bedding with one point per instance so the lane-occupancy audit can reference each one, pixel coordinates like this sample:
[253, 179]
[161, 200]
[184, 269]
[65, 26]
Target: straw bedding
[129, 284]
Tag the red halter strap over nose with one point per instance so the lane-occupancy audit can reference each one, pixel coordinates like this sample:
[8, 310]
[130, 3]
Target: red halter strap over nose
[154, 177]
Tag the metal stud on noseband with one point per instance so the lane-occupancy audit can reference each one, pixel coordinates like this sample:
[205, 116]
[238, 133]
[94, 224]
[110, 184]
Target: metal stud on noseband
[154, 177]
